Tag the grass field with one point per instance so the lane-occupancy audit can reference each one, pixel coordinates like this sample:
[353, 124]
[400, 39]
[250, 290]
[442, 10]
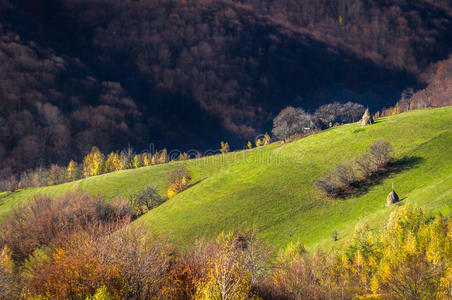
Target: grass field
[272, 188]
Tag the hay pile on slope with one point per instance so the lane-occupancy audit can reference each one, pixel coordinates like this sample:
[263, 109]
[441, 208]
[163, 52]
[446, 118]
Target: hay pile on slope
[392, 197]
[366, 118]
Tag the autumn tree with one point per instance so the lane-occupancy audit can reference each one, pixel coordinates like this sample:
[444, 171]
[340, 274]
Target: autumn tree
[145, 158]
[8, 289]
[224, 147]
[56, 174]
[226, 275]
[178, 179]
[155, 158]
[146, 199]
[163, 157]
[113, 163]
[101, 294]
[93, 163]
[137, 161]
[72, 171]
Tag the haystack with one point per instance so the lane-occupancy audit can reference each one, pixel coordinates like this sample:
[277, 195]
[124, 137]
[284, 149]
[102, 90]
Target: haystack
[392, 197]
[367, 118]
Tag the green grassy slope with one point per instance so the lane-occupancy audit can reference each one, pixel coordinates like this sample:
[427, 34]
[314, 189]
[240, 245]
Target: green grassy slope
[271, 187]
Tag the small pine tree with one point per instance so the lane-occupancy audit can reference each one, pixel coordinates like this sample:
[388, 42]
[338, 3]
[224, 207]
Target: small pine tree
[129, 155]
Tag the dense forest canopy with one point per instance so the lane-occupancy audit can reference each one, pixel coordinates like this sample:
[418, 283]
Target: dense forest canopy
[188, 73]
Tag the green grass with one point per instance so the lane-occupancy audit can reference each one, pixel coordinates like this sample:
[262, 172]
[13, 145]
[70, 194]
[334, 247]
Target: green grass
[272, 188]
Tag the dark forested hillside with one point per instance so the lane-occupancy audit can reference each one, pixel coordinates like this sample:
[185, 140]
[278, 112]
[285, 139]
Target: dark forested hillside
[187, 73]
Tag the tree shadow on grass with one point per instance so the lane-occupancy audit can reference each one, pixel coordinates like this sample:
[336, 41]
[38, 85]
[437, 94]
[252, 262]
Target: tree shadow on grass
[379, 120]
[195, 183]
[395, 167]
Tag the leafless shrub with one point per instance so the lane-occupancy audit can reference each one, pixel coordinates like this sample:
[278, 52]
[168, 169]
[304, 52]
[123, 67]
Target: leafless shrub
[348, 175]
[381, 152]
[329, 185]
[365, 165]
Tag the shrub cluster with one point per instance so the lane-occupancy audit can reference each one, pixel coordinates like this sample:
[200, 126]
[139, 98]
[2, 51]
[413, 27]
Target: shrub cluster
[43, 221]
[349, 175]
[84, 256]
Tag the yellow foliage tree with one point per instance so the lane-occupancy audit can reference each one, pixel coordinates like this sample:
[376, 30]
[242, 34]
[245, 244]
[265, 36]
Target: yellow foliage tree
[6, 274]
[93, 163]
[101, 294]
[266, 139]
[113, 163]
[145, 159]
[224, 147]
[227, 276]
[163, 157]
[183, 156]
[258, 143]
[155, 158]
[137, 161]
[249, 145]
[178, 180]
[72, 172]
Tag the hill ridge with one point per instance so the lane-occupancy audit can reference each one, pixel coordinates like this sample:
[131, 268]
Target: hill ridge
[237, 190]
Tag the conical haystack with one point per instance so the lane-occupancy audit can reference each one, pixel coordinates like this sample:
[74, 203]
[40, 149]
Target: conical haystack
[392, 197]
[367, 118]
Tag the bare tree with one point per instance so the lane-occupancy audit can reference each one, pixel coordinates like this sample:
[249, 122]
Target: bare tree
[381, 152]
[291, 121]
[337, 112]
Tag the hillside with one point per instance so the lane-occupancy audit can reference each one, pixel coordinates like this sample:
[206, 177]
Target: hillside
[271, 187]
